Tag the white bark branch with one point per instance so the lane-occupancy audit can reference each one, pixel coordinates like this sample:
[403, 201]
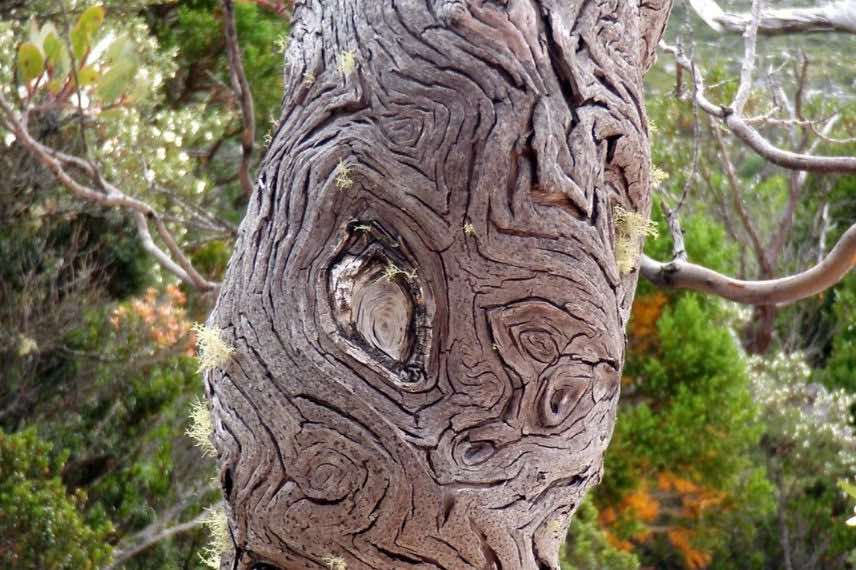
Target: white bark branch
[834, 17]
[740, 127]
[683, 275]
[173, 260]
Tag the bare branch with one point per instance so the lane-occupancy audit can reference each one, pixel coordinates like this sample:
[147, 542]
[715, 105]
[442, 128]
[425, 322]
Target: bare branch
[748, 67]
[151, 536]
[679, 250]
[741, 128]
[739, 207]
[242, 91]
[684, 275]
[106, 195]
[834, 17]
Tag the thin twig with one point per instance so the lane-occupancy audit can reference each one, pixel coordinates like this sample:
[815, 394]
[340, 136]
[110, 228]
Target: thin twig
[242, 92]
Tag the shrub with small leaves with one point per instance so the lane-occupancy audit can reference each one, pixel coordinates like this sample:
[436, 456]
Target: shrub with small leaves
[41, 524]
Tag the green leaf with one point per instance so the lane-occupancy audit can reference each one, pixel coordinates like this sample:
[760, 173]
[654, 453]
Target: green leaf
[79, 42]
[88, 75]
[84, 30]
[53, 48]
[117, 79]
[847, 487]
[55, 86]
[56, 55]
[122, 48]
[91, 19]
[31, 62]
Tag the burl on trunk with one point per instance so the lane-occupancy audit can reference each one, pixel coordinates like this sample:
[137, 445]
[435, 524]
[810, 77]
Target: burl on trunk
[426, 310]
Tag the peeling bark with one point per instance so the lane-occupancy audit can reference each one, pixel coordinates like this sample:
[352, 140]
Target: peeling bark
[406, 394]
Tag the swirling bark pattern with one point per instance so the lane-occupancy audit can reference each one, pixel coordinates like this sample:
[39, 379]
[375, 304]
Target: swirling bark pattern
[406, 394]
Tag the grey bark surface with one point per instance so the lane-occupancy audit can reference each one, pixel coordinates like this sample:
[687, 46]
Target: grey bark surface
[405, 394]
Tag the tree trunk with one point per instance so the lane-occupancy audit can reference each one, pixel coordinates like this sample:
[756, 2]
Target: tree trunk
[424, 301]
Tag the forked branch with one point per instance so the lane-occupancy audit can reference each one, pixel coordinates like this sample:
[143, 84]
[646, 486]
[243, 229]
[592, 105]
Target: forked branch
[684, 275]
[733, 119]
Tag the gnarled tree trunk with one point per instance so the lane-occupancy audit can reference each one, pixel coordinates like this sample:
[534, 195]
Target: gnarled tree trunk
[424, 300]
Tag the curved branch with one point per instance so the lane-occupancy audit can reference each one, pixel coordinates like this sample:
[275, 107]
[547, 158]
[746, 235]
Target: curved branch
[684, 275]
[835, 17]
[107, 195]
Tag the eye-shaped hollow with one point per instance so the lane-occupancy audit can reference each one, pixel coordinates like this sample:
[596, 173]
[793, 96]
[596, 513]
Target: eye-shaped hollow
[560, 390]
[382, 313]
[374, 302]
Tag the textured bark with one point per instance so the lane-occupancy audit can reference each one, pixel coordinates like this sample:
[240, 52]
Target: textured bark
[406, 393]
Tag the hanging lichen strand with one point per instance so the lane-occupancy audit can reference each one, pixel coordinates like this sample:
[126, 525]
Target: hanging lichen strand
[424, 301]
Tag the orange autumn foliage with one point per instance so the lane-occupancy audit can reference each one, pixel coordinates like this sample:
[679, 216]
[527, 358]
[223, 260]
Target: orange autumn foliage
[666, 504]
[643, 322]
[681, 539]
[160, 315]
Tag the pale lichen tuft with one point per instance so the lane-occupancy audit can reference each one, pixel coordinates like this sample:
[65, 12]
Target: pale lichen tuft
[392, 271]
[201, 427]
[469, 230]
[347, 62]
[658, 176]
[219, 541]
[630, 229]
[211, 350]
[335, 563]
[343, 176]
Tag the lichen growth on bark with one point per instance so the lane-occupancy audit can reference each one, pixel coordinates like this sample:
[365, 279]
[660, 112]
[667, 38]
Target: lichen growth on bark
[630, 230]
[392, 271]
[218, 529]
[347, 62]
[343, 176]
[211, 350]
[335, 563]
[201, 428]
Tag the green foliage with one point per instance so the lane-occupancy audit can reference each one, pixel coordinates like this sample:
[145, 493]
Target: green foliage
[197, 33]
[696, 364]
[31, 63]
[112, 75]
[84, 30]
[41, 525]
[587, 546]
